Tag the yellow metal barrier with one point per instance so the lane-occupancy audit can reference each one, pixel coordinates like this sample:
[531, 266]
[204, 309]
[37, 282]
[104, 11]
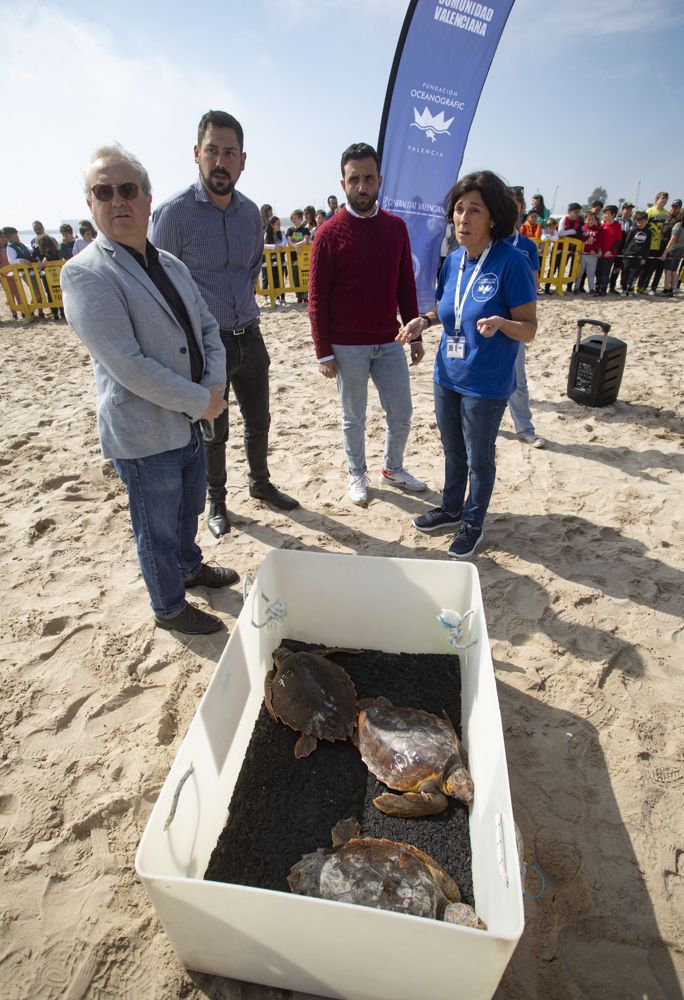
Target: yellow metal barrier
[26, 291]
[559, 263]
[284, 270]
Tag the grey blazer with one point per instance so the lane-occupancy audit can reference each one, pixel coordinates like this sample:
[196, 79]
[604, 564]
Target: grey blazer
[146, 399]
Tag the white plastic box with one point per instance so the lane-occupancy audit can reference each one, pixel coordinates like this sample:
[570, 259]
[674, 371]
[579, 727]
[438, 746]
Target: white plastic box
[316, 946]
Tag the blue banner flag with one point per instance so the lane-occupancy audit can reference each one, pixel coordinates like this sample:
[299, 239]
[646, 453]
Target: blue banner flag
[444, 53]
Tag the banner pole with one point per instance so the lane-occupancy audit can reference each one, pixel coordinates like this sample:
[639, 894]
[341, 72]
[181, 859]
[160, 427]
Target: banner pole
[393, 74]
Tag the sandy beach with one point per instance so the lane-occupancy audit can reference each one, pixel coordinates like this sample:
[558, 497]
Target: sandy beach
[582, 580]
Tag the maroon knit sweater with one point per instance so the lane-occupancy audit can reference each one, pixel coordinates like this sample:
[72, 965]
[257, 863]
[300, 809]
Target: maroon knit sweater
[361, 271]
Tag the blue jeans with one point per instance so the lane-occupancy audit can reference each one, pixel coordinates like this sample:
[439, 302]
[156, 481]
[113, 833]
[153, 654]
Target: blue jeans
[166, 495]
[519, 403]
[468, 428]
[387, 366]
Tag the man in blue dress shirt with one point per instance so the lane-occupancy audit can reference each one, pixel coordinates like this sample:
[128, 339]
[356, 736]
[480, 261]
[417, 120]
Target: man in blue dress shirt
[218, 234]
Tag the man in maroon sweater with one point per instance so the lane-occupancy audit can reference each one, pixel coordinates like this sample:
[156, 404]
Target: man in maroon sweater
[361, 270]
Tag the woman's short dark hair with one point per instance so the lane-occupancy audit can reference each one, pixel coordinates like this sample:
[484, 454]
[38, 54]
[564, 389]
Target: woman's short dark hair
[495, 194]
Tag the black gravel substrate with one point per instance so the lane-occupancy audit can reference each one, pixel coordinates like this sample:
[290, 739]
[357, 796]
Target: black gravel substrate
[283, 808]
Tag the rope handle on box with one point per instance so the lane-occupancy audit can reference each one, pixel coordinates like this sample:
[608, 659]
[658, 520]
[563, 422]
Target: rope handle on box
[176, 796]
[275, 611]
[455, 623]
[524, 866]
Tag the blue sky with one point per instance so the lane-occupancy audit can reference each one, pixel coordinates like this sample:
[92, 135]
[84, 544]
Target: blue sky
[578, 95]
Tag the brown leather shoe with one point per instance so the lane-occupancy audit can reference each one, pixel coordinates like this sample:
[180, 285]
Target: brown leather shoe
[191, 621]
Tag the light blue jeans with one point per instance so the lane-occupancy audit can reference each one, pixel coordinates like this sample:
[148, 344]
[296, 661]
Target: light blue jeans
[519, 403]
[386, 365]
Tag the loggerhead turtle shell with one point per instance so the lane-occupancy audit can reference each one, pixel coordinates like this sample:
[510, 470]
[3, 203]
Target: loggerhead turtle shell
[383, 874]
[405, 747]
[313, 695]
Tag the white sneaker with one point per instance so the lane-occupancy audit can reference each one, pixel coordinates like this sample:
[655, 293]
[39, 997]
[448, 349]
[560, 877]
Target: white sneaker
[358, 488]
[403, 479]
[532, 440]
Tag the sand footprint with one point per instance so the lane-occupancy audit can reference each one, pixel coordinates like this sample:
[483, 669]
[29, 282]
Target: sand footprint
[55, 482]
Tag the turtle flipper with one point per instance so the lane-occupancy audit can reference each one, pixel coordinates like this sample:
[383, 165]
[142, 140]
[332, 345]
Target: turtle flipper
[411, 803]
[305, 745]
[344, 830]
[268, 694]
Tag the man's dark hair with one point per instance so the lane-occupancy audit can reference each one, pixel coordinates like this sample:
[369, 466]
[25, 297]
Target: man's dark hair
[9, 231]
[611, 208]
[221, 119]
[597, 202]
[495, 194]
[358, 151]
[573, 206]
[66, 228]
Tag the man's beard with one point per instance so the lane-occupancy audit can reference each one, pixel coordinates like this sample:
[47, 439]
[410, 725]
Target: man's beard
[219, 185]
[362, 203]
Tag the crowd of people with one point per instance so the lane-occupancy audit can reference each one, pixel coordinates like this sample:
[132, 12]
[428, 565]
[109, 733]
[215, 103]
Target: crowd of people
[634, 248]
[42, 251]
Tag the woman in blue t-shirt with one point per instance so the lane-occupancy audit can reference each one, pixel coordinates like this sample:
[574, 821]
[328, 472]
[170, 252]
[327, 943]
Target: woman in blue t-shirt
[487, 304]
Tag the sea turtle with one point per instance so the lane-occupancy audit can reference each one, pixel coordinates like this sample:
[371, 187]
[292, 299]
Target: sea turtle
[414, 752]
[383, 874]
[311, 695]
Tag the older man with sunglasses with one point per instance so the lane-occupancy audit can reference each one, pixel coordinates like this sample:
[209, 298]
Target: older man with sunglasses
[159, 369]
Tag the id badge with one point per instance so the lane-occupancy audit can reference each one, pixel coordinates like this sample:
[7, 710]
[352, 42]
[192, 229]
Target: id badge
[456, 348]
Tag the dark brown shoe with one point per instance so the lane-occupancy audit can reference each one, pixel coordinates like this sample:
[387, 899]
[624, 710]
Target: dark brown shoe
[191, 621]
[212, 576]
[271, 494]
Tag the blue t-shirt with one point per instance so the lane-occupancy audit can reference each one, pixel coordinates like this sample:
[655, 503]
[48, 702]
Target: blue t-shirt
[527, 246]
[505, 282]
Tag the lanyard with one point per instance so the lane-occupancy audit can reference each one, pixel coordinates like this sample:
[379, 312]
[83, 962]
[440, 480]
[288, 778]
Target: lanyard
[473, 278]
[517, 237]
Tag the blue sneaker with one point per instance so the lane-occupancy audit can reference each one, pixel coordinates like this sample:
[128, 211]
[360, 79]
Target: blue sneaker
[436, 518]
[466, 541]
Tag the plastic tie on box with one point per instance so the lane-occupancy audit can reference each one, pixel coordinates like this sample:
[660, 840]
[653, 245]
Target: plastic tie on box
[455, 623]
[275, 611]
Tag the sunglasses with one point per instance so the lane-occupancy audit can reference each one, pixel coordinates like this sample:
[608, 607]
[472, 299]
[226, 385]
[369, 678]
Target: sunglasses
[105, 192]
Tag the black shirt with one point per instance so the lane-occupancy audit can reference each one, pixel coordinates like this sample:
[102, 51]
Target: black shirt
[157, 274]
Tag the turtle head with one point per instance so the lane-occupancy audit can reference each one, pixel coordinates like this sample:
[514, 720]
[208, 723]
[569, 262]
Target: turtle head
[280, 654]
[457, 782]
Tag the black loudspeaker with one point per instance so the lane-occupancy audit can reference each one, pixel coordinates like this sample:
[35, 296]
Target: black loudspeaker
[596, 366]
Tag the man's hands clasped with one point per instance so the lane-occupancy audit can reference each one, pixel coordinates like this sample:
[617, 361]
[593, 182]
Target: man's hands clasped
[217, 403]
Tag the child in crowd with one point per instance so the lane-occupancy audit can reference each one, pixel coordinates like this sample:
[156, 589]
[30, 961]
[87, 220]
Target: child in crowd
[626, 223]
[531, 227]
[635, 252]
[673, 254]
[590, 250]
[610, 242]
[549, 235]
[298, 235]
[274, 237]
[47, 251]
